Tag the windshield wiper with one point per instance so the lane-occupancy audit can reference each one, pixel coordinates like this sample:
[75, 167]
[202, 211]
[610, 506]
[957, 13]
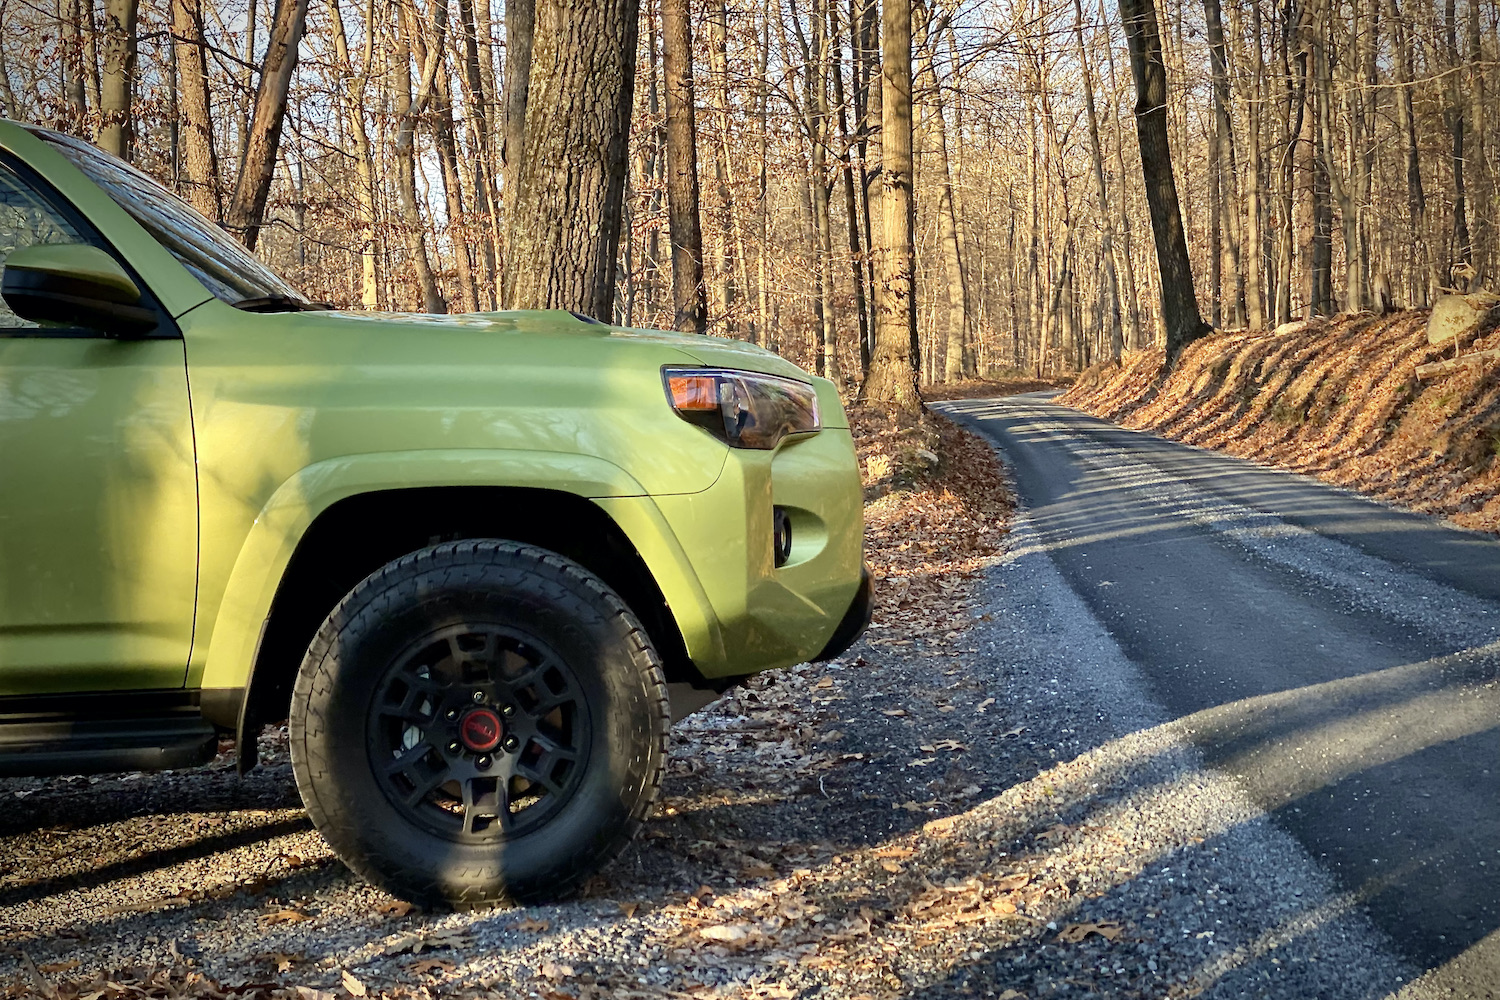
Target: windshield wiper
[279, 303]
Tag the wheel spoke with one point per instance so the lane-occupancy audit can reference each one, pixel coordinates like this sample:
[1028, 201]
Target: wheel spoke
[488, 804]
[418, 690]
[539, 777]
[424, 785]
[547, 705]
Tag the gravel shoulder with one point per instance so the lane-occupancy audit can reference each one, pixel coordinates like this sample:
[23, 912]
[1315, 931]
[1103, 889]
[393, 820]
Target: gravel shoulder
[993, 807]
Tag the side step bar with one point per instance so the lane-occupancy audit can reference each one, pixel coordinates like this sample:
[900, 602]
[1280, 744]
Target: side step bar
[92, 734]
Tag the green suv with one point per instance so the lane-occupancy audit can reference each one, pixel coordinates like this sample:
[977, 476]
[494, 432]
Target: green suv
[467, 557]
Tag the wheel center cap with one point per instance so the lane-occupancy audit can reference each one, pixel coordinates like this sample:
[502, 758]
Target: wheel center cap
[480, 730]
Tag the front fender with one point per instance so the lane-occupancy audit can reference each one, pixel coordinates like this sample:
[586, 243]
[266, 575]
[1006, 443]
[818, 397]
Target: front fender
[224, 654]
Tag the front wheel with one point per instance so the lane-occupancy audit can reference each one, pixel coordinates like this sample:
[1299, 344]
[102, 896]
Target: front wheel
[479, 721]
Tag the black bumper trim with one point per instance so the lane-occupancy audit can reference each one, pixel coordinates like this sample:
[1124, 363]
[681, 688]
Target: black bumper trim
[855, 620]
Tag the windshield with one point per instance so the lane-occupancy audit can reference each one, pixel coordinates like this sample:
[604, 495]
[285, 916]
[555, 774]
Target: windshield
[225, 267]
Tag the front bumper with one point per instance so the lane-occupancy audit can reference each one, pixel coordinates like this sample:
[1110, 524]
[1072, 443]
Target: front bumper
[855, 620]
[712, 555]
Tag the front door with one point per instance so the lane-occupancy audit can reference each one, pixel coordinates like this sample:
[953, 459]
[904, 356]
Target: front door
[98, 492]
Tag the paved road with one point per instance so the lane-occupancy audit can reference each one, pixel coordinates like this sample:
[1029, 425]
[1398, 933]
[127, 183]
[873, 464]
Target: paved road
[1338, 658]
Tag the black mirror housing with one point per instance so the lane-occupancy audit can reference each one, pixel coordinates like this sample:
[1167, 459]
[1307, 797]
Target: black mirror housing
[75, 285]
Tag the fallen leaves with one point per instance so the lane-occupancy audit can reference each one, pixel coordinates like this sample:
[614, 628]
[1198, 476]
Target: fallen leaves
[419, 941]
[727, 933]
[430, 967]
[1109, 930]
[52, 968]
[930, 528]
[286, 916]
[1333, 398]
[532, 926]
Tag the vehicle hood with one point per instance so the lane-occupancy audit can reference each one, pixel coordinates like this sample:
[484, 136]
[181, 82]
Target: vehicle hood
[715, 351]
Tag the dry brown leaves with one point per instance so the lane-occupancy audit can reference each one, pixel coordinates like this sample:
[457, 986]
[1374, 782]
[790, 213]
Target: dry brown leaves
[987, 388]
[936, 511]
[1335, 398]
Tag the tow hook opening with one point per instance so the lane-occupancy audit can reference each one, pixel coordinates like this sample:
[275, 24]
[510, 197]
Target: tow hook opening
[781, 540]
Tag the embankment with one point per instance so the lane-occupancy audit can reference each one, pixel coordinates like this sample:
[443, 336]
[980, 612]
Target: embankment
[1336, 398]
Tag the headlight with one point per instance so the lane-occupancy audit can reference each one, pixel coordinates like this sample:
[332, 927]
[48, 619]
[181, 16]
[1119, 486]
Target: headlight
[742, 409]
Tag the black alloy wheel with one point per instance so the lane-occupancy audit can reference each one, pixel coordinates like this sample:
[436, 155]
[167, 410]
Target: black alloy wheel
[476, 731]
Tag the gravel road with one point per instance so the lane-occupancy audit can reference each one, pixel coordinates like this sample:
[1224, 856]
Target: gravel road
[1022, 808]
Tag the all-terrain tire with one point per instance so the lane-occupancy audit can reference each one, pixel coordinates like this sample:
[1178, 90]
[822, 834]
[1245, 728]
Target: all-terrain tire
[525, 598]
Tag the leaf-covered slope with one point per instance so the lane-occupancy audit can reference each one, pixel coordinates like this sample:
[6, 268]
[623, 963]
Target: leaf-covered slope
[1336, 398]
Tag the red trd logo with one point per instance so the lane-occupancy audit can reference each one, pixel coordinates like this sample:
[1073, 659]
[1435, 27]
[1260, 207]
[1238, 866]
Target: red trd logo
[480, 730]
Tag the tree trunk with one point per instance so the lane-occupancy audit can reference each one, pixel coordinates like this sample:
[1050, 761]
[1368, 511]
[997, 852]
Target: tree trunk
[893, 369]
[1320, 271]
[476, 103]
[1116, 331]
[409, 108]
[689, 299]
[851, 199]
[1134, 337]
[869, 151]
[1179, 304]
[460, 233]
[520, 38]
[89, 57]
[74, 92]
[763, 208]
[1226, 163]
[248, 208]
[200, 162]
[816, 99]
[724, 259]
[1480, 177]
[952, 252]
[1463, 246]
[1253, 258]
[364, 158]
[1419, 274]
[118, 83]
[1294, 72]
[564, 234]
[652, 153]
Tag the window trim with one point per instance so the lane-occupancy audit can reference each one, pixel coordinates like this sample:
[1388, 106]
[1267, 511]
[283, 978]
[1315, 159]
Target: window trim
[166, 326]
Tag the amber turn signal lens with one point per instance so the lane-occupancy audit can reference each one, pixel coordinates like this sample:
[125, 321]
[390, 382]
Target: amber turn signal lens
[694, 392]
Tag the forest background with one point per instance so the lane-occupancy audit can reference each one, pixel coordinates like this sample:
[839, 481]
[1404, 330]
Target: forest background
[1327, 155]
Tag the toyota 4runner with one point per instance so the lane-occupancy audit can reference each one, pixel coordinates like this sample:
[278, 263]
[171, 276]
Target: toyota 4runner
[465, 556]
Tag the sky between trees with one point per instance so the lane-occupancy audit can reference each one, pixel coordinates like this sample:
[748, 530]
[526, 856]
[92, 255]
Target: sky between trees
[1321, 151]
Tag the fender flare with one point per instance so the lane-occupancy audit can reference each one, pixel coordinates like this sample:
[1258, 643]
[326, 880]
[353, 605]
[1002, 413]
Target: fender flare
[228, 654]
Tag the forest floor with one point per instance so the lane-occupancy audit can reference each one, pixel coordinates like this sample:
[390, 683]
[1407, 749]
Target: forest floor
[1335, 398]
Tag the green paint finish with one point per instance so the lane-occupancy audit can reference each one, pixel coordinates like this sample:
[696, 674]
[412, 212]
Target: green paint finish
[169, 481]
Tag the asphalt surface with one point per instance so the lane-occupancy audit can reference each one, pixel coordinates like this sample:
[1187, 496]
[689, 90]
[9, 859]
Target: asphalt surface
[1336, 658]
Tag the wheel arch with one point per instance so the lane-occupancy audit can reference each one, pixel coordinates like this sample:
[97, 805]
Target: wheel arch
[358, 534]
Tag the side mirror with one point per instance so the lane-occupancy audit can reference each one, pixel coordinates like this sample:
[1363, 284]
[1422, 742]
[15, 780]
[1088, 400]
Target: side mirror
[74, 284]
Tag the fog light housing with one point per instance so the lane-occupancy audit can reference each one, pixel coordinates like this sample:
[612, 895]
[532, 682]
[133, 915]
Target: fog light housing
[781, 535]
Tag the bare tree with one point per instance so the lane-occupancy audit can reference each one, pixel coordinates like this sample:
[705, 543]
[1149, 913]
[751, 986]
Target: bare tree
[564, 232]
[200, 160]
[248, 207]
[520, 38]
[118, 82]
[689, 298]
[1179, 304]
[893, 366]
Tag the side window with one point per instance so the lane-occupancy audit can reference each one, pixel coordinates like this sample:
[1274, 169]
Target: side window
[26, 218]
